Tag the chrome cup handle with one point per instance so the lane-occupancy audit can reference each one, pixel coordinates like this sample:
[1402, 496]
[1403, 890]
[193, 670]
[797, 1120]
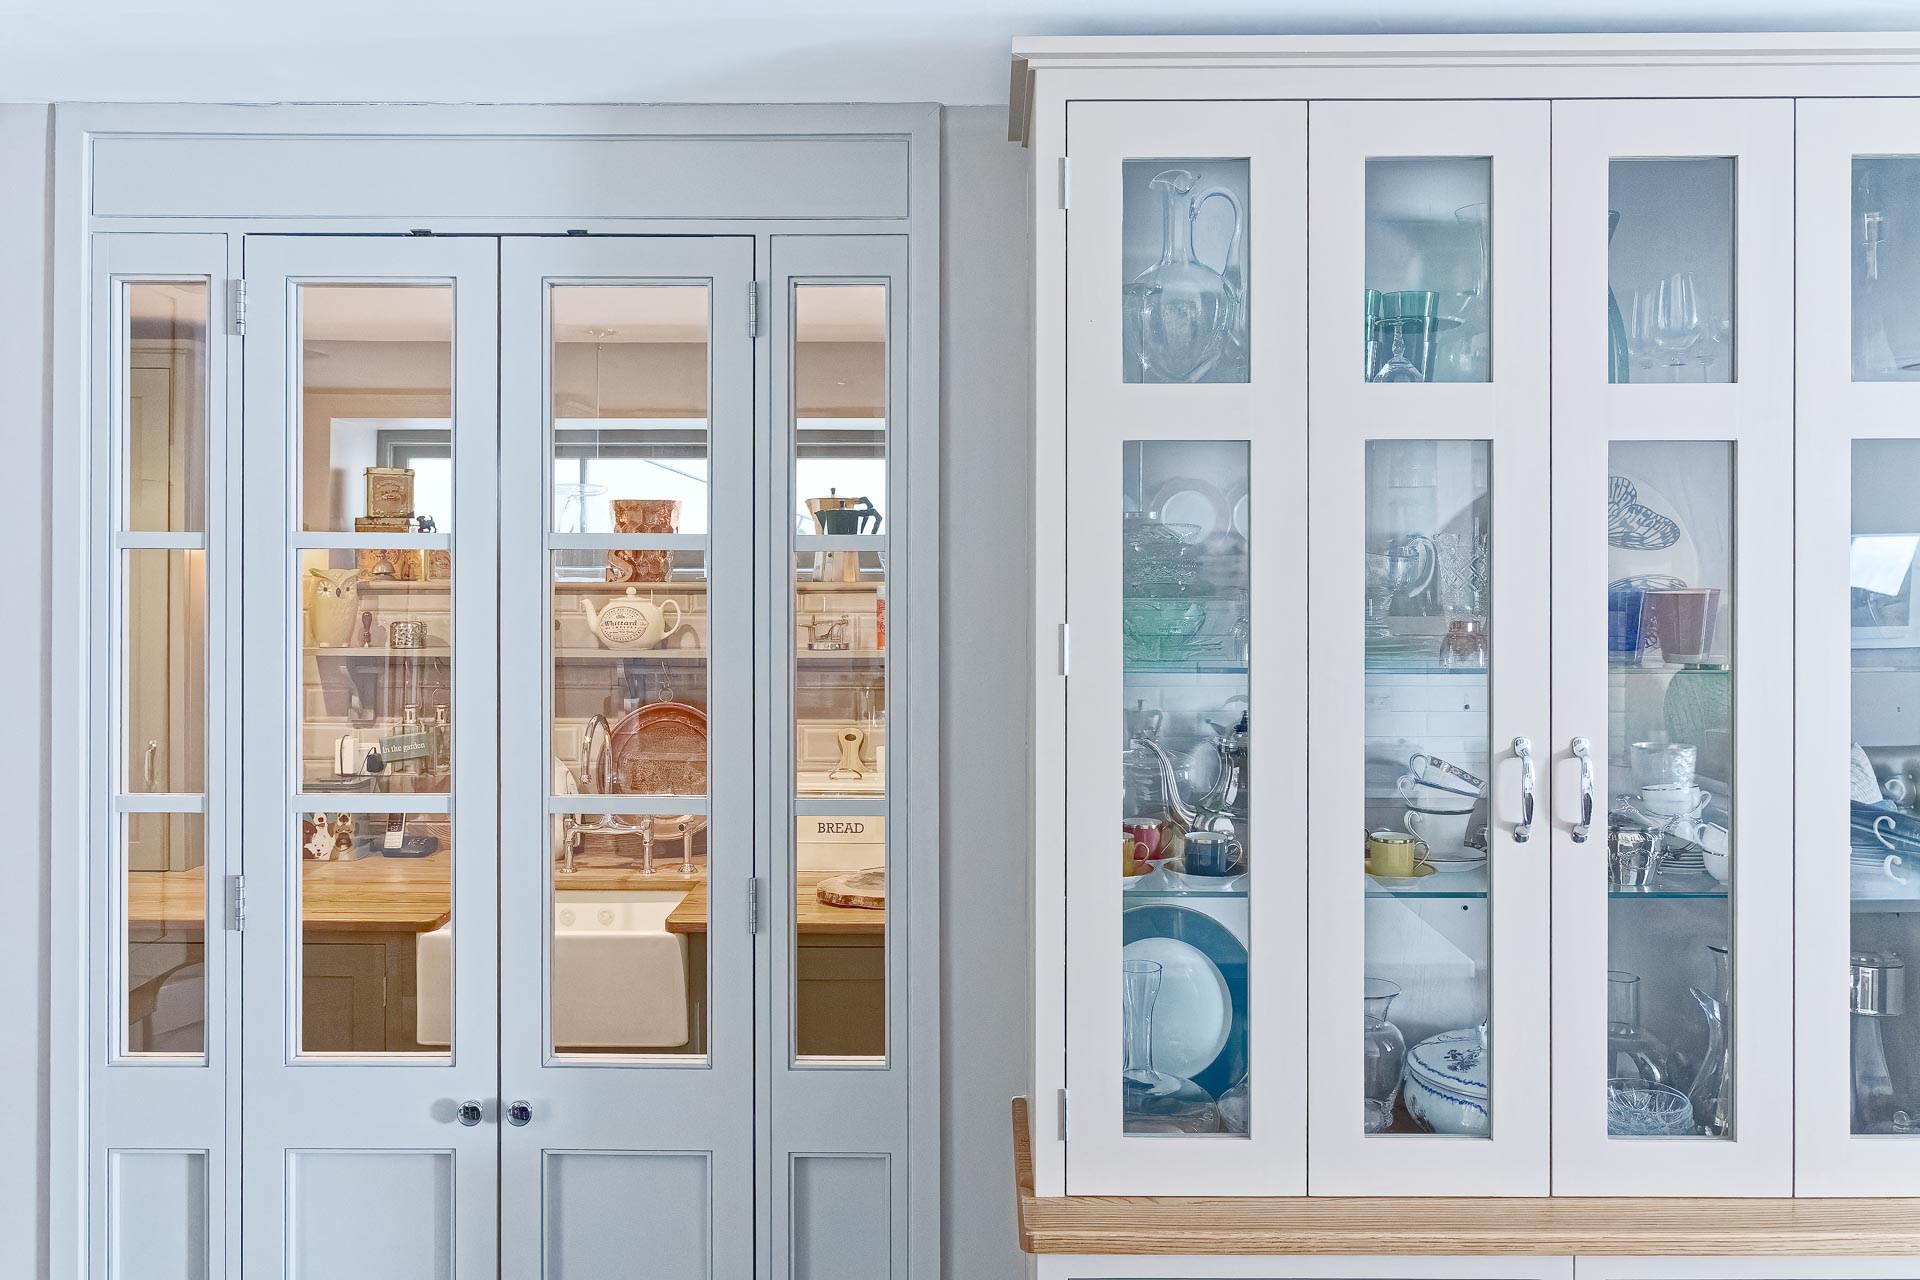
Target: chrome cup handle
[1583, 751]
[1524, 750]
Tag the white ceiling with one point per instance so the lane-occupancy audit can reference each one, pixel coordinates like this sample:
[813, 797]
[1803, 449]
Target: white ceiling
[952, 51]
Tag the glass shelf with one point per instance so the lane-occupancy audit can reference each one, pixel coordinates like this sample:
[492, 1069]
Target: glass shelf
[1193, 667]
[1675, 884]
[1463, 885]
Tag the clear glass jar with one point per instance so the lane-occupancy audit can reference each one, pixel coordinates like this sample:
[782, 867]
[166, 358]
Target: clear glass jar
[1385, 1054]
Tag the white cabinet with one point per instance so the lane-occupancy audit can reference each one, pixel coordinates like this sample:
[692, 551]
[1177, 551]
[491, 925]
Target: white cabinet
[1470, 681]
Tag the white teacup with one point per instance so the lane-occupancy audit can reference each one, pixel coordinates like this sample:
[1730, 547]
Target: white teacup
[1435, 772]
[1673, 800]
[1431, 799]
[1445, 833]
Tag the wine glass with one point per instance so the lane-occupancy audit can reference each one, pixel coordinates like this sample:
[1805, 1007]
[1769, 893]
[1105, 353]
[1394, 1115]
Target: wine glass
[1677, 323]
[1398, 368]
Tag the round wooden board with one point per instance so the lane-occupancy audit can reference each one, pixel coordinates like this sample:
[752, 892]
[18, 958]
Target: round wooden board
[865, 889]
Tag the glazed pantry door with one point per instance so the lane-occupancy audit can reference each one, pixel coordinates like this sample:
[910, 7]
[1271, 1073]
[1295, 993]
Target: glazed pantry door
[371, 1036]
[627, 998]
[1185, 493]
[1428, 543]
[1673, 295]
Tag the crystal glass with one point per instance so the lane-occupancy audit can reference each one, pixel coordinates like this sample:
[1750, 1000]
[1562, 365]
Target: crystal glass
[1466, 348]
[1153, 1101]
[1384, 1054]
[1398, 367]
[1711, 1092]
[1670, 226]
[1633, 1052]
[1184, 263]
[1638, 1108]
[1678, 325]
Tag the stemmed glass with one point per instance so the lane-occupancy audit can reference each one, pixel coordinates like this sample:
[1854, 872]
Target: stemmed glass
[1677, 323]
[1398, 367]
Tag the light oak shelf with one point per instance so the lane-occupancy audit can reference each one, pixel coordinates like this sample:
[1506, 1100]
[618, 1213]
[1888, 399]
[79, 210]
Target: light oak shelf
[1540, 1226]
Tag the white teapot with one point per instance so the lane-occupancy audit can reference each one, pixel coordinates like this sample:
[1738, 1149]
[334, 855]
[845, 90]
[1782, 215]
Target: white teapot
[629, 622]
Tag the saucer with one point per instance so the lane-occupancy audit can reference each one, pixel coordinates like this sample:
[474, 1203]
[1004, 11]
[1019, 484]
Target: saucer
[1449, 866]
[1420, 870]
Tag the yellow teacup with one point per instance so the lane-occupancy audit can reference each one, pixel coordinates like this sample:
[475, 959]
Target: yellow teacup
[1395, 853]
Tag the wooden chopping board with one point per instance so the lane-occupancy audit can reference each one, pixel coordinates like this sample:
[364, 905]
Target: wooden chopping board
[866, 889]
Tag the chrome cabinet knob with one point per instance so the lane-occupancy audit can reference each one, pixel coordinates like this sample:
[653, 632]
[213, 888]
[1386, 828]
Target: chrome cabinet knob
[1583, 752]
[518, 1113]
[470, 1113]
[1524, 750]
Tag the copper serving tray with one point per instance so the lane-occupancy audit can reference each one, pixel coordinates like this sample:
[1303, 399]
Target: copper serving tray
[659, 749]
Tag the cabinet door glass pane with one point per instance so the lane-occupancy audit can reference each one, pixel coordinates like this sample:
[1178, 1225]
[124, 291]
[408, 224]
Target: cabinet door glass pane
[376, 932]
[1428, 307]
[1884, 819]
[840, 940]
[1427, 984]
[1670, 270]
[1670, 772]
[629, 382]
[376, 671]
[1185, 843]
[376, 407]
[165, 655]
[627, 974]
[166, 917]
[841, 393]
[166, 406]
[840, 389]
[1886, 268]
[1183, 267]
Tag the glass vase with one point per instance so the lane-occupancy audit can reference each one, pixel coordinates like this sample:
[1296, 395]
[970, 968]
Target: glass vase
[1385, 1054]
[1153, 1101]
[1633, 1052]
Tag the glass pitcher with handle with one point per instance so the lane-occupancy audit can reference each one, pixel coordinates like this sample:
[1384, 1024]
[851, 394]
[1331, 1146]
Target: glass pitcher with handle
[1188, 313]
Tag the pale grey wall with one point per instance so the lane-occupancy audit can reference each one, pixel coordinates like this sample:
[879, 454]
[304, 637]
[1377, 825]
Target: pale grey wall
[24, 656]
[984, 645]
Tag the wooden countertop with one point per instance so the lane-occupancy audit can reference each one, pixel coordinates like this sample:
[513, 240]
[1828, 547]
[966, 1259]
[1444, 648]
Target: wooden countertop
[1541, 1226]
[814, 919]
[374, 895]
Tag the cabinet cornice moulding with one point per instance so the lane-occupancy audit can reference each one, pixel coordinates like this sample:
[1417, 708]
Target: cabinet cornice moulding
[1775, 49]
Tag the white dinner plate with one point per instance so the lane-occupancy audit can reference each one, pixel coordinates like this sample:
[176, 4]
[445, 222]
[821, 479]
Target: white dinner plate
[1192, 503]
[1193, 1012]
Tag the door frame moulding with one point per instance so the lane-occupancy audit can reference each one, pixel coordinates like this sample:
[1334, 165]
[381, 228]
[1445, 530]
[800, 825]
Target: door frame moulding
[353, 169]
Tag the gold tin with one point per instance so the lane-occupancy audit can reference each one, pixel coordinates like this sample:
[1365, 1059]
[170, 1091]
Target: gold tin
[389, 491]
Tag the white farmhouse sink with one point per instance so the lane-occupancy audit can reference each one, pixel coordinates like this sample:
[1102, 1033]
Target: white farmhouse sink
[619, 979]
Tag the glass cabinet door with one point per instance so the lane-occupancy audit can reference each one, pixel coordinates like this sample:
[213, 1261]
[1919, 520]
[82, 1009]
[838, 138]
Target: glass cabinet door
[1857, 814]
[370, 726]
[626, 561]
[1673, 288]
[1183, 649]
[1428, 620]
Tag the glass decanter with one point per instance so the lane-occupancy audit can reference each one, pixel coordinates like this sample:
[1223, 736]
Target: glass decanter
[1712, 1089]
[1470, 343]
[1384, 1053]
[1236, 1107]
[1153, 1101]
[1619, 365]
[1186, 311]
[1879, 981]
[1633, 1052]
